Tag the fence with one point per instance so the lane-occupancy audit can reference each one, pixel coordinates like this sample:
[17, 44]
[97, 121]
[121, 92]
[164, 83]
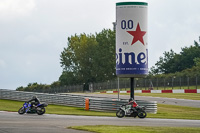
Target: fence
[149, 83]
[95, 103]
[124, 84]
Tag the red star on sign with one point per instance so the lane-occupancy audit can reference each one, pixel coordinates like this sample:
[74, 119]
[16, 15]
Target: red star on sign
[137, 35]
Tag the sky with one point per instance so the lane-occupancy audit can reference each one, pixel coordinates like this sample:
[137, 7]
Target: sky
[33, 33]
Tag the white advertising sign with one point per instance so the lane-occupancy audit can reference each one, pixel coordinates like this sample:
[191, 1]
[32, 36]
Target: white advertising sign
[131, 39]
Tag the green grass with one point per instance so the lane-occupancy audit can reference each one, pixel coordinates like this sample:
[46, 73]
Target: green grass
[192, 96]
[10, 105]
[66, 110]
[176, 112]
[135, 129]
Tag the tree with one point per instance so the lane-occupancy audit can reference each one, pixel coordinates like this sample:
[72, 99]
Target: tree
[172, 62]
[165, 64]
[105, 60]
[77, 59]
[88, 58]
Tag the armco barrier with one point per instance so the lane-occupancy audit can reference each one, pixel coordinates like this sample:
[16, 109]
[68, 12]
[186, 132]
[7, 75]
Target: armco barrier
[95, 103]
[112, 105]
[70, 100]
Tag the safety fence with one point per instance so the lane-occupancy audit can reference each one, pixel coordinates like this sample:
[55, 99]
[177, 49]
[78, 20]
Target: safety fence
[162, 83]
[113, 104]
[169, 83]
[95, 103]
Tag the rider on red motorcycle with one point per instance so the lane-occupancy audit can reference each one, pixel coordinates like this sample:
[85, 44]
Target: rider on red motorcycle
[133, 103]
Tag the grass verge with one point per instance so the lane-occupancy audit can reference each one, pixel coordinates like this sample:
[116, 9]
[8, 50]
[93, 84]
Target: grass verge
[66, 110]
[10, 105]
[176, 112]
[191, 96]
[135, 129]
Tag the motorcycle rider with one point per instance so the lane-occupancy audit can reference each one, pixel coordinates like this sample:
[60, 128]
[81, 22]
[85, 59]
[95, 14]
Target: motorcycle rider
[34, 101]
[133, 104]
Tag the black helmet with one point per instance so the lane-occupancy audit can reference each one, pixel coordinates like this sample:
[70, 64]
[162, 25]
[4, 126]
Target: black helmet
[34, 97]
[131, 99]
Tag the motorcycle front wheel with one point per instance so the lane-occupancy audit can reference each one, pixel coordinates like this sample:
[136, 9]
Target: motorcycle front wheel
[120, 113]
[40, 110]
[142, 114]
[21, 110]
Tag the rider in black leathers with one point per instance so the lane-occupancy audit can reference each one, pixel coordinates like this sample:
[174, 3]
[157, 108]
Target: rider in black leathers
[34, 101]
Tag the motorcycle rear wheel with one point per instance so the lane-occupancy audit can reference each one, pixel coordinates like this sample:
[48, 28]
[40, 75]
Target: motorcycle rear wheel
[21, 110]
[142, 114]
[120, 113]
[40, 110]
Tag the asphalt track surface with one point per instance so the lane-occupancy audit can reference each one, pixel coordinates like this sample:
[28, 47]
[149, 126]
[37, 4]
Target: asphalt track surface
[12, 122]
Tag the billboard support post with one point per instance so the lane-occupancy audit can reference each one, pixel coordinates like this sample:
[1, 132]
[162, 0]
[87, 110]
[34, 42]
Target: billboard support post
[132, 88]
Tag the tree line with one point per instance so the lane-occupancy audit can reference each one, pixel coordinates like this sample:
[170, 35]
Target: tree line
[90, 58]
[183, 64]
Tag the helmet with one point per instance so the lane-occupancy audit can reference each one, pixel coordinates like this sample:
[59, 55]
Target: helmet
[131, 99]
[34, 97]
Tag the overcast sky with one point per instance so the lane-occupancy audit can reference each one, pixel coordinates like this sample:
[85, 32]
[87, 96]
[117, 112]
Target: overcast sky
[33, 33]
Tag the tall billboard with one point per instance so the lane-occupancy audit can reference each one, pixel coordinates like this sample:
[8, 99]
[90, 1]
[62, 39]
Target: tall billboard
[131, 39]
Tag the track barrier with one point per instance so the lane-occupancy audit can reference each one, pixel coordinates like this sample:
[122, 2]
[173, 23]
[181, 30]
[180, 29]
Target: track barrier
[158, 91]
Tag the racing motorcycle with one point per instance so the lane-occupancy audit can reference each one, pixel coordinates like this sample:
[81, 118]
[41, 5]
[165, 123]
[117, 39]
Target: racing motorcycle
[39, 109]
[127, 110]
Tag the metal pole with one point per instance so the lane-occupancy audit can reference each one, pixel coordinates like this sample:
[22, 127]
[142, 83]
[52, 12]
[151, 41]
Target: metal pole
[157, 83]
[132, 88]
[196, 82]
[125, 84]
[164, 83]
[118, 88]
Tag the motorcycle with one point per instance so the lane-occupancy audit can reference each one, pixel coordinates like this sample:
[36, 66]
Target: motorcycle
[127, 110]
[39, 109]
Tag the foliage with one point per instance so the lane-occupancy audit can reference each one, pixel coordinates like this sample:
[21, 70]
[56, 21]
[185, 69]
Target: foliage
[88, 58]
[35, 87]
[194, 71]
[172, 62]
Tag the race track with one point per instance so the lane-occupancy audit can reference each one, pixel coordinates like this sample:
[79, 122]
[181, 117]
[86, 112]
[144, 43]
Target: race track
[12, 122]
